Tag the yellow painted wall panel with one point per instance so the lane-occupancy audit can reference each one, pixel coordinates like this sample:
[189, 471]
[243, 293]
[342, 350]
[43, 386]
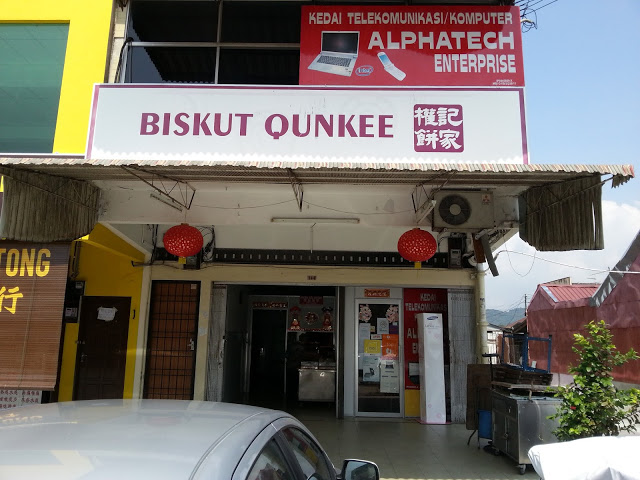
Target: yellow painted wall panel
[412, 403]
[68, 366]
[85, 60]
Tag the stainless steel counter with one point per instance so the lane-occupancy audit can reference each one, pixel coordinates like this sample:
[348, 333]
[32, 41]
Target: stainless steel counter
[520, 422]
[316, 385]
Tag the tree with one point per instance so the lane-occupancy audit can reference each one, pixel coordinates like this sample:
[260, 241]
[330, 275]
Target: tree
[592, 405]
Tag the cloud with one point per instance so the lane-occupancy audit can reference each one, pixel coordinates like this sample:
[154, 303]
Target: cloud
[521, 272]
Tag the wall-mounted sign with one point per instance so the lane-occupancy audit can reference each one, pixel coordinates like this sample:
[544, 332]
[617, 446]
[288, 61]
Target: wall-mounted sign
[377, 292]
[19, 398]
[268, 305]
[411, 45]
[250, 125]
[311, 300]
[33, 279]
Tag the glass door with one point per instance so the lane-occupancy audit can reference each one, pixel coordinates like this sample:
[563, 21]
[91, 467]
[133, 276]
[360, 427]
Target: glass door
[380, 386]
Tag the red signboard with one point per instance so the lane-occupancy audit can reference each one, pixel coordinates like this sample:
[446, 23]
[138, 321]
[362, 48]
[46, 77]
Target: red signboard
[411, 45]
[418, 300]
[377, 292]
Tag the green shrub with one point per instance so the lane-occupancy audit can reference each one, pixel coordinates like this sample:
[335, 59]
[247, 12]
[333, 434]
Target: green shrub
[592, 405]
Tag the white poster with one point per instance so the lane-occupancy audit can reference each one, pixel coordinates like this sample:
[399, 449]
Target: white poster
[389, 376]
[364, 332]
[433, 408]
[107, 313]
[371, 368]
[383, 326]
[246, 124]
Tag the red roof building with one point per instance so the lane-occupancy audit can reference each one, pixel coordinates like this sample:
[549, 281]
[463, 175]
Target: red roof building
[561, 309]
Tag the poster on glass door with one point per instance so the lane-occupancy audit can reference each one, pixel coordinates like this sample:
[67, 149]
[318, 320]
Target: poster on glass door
[378, 343]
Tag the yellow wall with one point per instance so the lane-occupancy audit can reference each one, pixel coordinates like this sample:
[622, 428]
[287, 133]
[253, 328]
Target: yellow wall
[105, 266]
[85, 62]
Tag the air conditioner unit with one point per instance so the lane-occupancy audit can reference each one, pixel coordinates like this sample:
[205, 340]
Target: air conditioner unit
[463, 211]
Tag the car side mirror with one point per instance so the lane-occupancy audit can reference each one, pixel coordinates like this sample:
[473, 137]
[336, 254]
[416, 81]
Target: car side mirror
[359, 470]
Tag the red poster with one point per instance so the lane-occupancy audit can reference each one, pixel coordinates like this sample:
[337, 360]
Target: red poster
[418, 300]
[390, 347]
[476, 46]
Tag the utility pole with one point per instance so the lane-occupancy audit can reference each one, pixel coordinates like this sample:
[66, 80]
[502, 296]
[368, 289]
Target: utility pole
[525, 304]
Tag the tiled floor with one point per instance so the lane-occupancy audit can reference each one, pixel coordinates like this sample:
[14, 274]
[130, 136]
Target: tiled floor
[405, 449]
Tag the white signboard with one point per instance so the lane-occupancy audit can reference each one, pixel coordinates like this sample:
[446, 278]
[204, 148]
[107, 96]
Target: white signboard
[243, 124]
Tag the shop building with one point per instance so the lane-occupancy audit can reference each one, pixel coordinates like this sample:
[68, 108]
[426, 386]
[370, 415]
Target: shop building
[209, 116]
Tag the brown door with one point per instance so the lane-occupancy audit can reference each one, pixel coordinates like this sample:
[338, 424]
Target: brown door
[171, 342]
[102, 347]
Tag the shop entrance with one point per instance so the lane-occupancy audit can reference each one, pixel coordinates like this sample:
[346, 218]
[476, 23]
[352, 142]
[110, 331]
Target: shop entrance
[171, 341]
[102, 344]
[268, 358]
[280, 347]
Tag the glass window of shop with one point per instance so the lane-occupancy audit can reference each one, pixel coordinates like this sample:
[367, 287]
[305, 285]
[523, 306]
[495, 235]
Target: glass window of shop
[379, 345]
[31, 65]
[211, 42]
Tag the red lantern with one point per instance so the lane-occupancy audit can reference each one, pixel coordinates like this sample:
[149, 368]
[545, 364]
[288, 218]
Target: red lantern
[183, 241]
[417, 246]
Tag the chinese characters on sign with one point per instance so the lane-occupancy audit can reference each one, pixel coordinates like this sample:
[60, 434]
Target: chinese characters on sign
[438, 128]
[19, 398]
[377, 292]
[20, 262]
[12, 294]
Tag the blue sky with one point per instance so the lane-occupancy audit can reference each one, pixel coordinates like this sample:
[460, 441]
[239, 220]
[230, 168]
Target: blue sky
[582, 75]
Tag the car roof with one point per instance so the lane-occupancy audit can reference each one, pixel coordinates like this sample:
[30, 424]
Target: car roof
[120, 439]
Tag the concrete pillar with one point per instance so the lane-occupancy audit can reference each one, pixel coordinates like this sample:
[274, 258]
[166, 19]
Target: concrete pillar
[481, 316]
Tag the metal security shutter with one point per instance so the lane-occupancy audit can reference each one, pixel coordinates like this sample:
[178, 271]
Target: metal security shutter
[462, 338]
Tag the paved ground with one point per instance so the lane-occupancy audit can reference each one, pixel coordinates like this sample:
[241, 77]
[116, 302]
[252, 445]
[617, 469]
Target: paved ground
[405, 449]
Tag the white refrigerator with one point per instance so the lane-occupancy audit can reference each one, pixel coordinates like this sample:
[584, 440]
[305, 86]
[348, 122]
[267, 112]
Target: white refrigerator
[433, 407]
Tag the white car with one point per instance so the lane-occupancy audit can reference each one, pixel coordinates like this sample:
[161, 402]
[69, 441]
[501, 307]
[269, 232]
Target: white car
[593, 458]
[163, 439]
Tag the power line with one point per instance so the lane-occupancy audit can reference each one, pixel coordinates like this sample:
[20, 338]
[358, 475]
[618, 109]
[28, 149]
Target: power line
[572, 266]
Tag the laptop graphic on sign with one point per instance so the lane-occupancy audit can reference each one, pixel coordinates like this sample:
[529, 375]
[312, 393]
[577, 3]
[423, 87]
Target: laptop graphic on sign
[338, 53]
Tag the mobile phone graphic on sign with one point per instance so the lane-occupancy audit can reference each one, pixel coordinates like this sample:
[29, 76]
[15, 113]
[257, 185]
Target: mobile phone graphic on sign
[390, 67]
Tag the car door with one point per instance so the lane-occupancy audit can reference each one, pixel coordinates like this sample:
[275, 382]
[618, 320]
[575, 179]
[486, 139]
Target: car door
[308, 454]
[272, 455]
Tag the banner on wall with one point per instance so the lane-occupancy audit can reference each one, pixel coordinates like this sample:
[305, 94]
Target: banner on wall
[418, 300]
[411, 45]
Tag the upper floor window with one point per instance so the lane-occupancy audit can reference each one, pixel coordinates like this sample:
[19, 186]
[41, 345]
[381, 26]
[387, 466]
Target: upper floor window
[31, 66]
[205, 41]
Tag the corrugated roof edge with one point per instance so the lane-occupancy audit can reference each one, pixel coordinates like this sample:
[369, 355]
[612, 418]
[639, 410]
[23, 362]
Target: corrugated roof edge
[621, 173]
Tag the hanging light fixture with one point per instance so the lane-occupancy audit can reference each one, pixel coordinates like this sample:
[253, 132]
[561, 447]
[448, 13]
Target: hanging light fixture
[417, 246]
[183, 241]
